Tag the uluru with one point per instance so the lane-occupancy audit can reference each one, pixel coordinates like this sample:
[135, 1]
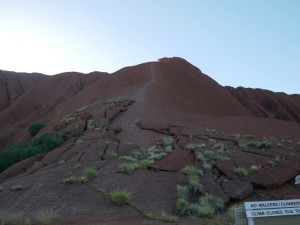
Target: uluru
[152, 143]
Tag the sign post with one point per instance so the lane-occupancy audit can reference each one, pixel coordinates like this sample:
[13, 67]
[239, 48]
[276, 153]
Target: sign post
[271, 209]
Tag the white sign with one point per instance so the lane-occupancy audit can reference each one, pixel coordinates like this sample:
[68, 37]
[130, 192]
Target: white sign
[273, 204]
[273, 212]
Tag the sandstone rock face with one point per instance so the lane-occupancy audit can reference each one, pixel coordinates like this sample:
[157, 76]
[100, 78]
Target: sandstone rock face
[237, 190]
[264, 103]
[14, 85]
[172, 98]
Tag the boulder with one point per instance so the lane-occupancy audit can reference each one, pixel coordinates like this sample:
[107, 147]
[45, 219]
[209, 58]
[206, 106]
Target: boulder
[246, 159]
[174, 162]
[212, 187]
[237, 190]
[271, 177]
[226, 167]
[289, 164]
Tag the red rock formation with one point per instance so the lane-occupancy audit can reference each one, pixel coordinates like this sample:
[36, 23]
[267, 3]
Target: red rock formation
[130, 117]
[268, 104]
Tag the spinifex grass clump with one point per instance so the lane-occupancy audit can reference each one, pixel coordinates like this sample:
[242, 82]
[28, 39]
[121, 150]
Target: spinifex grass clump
[128, 168]
[241, 171]
[87, 175]
[255, 144]
[90, 173]
[192, 199]
[206, 206]
[194, 185]
[120, 197]
[168, 218]
[20, 187]
[44, 216]
[191, 171]
[142, 159]
[13, 219]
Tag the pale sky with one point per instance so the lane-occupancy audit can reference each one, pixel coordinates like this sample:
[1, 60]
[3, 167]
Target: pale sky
[250, 43]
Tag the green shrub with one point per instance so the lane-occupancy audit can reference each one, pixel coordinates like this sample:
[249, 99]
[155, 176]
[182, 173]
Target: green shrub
[194, 185]
[46, 142]
[82, 108]
[129, 158]
[87, 175]
[14, 219]
[273, 162]
[182, 192]
[11, 154]
[20, 187]
[168, 218]
[136, 154]
[75, 180]
[61, 162]
[255, 144]
[201, 157]
[114, 99]
[182, 206]
[168, 149]
[241, 171]
[168, 140]
[213, 201]
[90, 124]
[191, 170]
[44, 216]
[158, 156]
[145, 163]
[35, 127]
[120, 197]
[90, 173]
[128, 167]
[79, 142]
[76, 165]
[208, 206]
[69, 120]
[207, 166]
[203, 210]
[219, 146]
[195, 147]
[149, 215]
[209, 154]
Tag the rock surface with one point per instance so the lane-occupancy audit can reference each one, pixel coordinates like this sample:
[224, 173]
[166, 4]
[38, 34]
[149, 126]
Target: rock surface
[271, 177]
[125, 119]
[174, 162]
[237, 190]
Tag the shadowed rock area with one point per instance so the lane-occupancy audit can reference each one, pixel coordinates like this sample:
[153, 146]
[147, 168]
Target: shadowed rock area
[162, 131]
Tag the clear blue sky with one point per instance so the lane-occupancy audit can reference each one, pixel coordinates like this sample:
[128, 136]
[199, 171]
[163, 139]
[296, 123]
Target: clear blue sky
[250, 43]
